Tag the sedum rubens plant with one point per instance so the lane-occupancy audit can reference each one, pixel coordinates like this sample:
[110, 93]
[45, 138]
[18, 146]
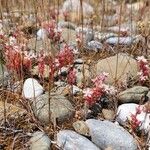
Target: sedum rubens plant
[144, 69]
[140, 113]
[17, 59]
[64, 58]
[135, 123]
[91, 95]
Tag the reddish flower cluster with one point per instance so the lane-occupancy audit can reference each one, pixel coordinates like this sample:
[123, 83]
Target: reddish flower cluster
[54, 32]
[144, 68]
[16, 59]
[65, 56]
[91, 95]
[41, 64]
[135, 123]
[71, 78]
[99, 80]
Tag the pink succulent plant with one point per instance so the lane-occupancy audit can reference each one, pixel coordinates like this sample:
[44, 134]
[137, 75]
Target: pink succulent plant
[144, 69]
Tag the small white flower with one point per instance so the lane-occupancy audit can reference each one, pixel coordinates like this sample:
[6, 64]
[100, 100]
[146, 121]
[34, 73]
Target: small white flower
[12, 40]
[141, 58]
[88, 92]
[109, 89]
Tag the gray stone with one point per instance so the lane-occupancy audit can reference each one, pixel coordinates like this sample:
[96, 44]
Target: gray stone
[119, 67]
[70, 140]
[89, 36]
[120, 40]
[69, 35]
[60, 108]
[134, 94]
[107, 134]
[40, 141]
[81, 127]
[148, 94]
[66, 24]
[94, 45]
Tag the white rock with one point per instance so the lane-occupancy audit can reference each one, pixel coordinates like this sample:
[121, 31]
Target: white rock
[76, 90]
[70, 140]
[32, 88]
[40, 141]
[124, 114]
[41, 34]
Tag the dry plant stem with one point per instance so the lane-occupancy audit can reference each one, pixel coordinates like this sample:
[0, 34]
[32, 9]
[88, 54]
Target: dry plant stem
[148, 139]
[139, 147]
[118, 42]
[83, 71]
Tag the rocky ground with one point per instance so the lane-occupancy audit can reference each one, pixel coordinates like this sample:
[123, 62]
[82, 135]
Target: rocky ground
[75, 75]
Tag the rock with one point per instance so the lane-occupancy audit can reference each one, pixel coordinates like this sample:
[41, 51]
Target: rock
[42, 34]
[108, 114]
[110, 20]
[89, 36]
[69, 35]
[81, 127]
[76, 90]
[119, 72]
[40, 141]
[66, 24]
[120, 40]
[73, 8]
[12, 111]
[107, 134]
[84, 30]
[78, 61]
[79, 74]
[15, 87]
[148, 95]
[64, 89]
[94, 45]
[124, 28]
[134, 94]
[124, 114]
[38, 45]
[87, 33]
[69, 140]
[4, 76]
[32, 89]
[60, 108]
[104, 35]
